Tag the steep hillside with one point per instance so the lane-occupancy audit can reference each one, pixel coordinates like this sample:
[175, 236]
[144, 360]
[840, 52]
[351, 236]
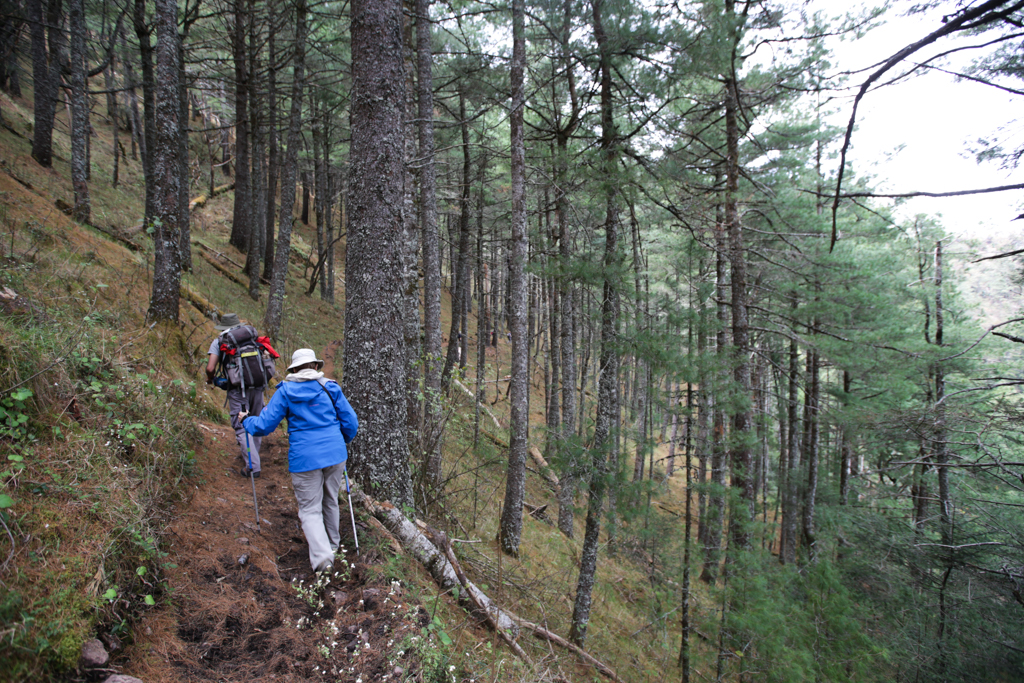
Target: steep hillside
[124, 518]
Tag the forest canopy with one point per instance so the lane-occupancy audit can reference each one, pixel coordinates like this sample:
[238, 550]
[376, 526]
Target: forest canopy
[655, 207]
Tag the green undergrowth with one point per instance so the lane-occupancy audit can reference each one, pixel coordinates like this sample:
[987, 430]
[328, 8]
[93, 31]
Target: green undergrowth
[97, 432]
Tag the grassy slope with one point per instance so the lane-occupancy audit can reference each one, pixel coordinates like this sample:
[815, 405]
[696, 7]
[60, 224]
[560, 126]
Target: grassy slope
[86, 506]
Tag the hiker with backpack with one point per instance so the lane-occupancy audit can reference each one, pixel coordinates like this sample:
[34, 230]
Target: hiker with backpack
[242, 363]
[320, 424]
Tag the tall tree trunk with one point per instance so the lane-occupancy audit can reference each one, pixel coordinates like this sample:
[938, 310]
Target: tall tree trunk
[144, 33]
[460, 270]
[275, 299]
[941, 449]
[684, 608]
[673, 402]
[811, 453]
[374, 375]
[10, 30]
[316, 111]
[608, 389]
[791, 506]
[553, 416]
[241, 215]
[304, 215]
[482, 325]
[79, 112]
[273, 154]
[640, 386]
[846, 450]
[332, 195]
[941, 443]
[47, 54]
[519, 387]
[305, 198]
[741, 476]
[411, 248]
[431, 246]
[569, 453]
[163, 304]
[116, 144]
[701, 404]
[184, 221]
[716, 496]
[138, 135]
[258, 175]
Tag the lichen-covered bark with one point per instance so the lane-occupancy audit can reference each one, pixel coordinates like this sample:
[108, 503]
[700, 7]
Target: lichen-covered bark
[275, 302]
[515, 479]
[431, 247]
[568, 443]
[45, 28]
[79, 112]
[143, 31]
[163, 304]
[608, 383]
[711, 520]
[374, 363]
[741, 474]
[184, 222]
[567, 348]
[138, 137]
[791, 501]
[431, 557]
[241, 218]
[410, 254]
[811, 452]
[272, 153]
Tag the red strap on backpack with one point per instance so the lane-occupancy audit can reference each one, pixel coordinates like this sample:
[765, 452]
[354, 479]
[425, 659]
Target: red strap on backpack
[265, 343]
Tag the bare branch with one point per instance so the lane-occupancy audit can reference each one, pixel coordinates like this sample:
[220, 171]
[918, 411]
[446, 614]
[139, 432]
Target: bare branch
[971, 18]
[999, 256]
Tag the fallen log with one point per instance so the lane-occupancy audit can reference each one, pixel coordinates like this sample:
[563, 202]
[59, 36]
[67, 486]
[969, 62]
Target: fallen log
[447, 572]
[419, 546]
[198, 301]
[485, 408]
[542, 632]
[223, 270]
[110, 233]
[539, 513]
[201, 200]
[477, 599]
[497, 439]
[545, 469]
[222, 255]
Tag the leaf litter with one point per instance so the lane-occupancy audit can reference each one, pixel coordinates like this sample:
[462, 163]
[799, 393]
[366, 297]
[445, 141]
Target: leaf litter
[244, 605]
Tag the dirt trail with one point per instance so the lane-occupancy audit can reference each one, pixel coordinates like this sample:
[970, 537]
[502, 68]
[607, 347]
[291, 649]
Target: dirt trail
[236, 613]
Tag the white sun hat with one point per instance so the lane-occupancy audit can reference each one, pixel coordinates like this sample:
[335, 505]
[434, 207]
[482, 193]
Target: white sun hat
[303, 356]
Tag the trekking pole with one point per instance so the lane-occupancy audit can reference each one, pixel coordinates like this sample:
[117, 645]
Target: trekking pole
[351, 514]
[252, 478]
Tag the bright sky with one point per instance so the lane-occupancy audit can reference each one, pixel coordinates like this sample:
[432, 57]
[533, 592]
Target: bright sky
[914, 135]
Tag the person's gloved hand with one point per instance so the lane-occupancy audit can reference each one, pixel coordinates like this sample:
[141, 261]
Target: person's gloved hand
[222, 383]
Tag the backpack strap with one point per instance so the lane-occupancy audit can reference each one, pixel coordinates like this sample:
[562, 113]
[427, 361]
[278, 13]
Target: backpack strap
[322, 381]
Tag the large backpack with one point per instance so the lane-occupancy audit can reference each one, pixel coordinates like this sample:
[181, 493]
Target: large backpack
[243, 359]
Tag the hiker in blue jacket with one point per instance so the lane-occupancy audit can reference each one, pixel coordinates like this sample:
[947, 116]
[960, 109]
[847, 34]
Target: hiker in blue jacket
[320, 423]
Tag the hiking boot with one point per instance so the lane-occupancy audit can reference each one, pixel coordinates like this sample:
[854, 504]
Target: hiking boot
[245, 472]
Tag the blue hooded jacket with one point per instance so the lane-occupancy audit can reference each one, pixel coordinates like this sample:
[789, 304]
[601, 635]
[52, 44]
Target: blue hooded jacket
[320, 423]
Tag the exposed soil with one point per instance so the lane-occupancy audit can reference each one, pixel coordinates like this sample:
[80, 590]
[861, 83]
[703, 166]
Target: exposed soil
[243, 605]
[237, 612]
